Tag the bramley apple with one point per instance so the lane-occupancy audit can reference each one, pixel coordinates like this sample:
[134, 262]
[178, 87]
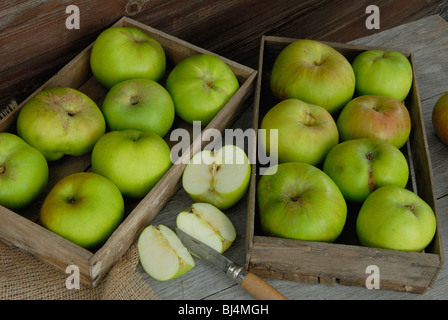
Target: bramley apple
[162, 254]
[208, 224]
[379, 117]
[23, 172]
[314, 72]
[395, 218]
[306, 132]
[360, 166]
[200, 86]
[218, 177]
[440, 118]
[300, 202]
[61, 121]
[384, 73]
[83, 207]
[134, 160]
[123, 53]
[139, 104]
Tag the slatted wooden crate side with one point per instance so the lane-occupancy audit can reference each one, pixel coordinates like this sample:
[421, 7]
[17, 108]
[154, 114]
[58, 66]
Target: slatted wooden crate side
[345, 261]
[23, 229]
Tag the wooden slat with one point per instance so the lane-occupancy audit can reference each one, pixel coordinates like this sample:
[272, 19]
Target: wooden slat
[343, 262]
[231, 28]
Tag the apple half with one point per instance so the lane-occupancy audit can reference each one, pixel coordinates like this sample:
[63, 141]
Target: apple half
[218, 177]
[162, 254]
[207, 224]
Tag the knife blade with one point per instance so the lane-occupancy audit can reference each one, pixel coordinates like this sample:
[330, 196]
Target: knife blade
[250, 282]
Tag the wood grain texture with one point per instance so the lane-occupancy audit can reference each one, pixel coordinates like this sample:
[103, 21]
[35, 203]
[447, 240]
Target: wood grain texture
[204, 23]
[203, 282]
[35, 42]
[22, 228]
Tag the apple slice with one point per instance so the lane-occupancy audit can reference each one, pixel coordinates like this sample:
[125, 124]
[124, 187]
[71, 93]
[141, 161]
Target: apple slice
[162, 254]
[208, 224]
[220, 178]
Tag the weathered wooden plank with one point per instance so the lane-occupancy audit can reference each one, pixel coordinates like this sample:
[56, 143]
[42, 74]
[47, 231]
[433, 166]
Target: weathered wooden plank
[35, 42]
[138, 213]
[188, 284]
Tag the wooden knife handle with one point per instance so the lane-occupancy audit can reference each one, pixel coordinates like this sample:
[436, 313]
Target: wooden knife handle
[259, 288]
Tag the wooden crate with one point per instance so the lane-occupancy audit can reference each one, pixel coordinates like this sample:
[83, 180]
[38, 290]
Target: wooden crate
[23, 230]
[344, 261]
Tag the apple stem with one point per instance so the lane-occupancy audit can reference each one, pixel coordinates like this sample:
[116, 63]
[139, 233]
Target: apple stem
[2, 168]
[410, 207]
[71, 200]
[134, 100]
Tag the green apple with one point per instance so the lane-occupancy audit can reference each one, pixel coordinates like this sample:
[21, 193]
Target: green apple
[162, 254]
[300, 202]
[208, 224]
[83, 207]
[384, 73]
[314, 72]
[23, 172]
[124, 53]
[395, 218]
[61, 121]
[440, 118]
[218, 177]
[359, 167]
[305, 133]
[200, 86]
[139, 104]
[378, 117]
[134, 160]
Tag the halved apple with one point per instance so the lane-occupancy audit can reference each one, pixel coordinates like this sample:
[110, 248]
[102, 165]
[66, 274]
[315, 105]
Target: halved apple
[162, 254]
[220, 178]
[207, 224]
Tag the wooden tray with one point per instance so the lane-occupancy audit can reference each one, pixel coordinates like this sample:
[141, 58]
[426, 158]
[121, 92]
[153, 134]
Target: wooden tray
[22, 229]
[345, 261]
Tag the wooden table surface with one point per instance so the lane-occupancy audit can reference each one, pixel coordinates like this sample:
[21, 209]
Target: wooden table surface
[427, 38]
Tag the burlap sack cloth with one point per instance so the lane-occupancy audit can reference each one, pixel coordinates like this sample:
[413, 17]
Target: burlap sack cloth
[23, 276]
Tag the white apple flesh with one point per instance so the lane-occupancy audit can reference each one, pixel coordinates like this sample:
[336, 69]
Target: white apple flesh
[220, 178]
[162, 254]
[207, 224]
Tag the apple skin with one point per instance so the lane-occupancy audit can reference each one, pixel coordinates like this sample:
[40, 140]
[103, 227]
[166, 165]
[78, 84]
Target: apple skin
[378, 117]
[219, 177]
[395, 218]
[200, 86]
[306, 132]
[23, 172]
[124, 53]
[84, 208]
[384, 73]
[359, 167]
[61, 121]
[300, 202]
[134, 160]
[314, 72]
[139, 104]
[440, 118]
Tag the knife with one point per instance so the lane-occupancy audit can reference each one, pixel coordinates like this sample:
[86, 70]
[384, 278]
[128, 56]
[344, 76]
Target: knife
[250, 282]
